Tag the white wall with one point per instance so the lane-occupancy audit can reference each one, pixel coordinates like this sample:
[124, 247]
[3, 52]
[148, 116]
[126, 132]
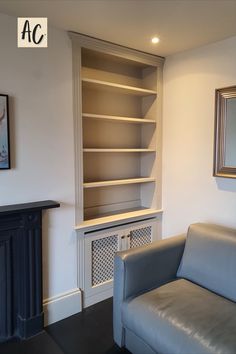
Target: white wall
[39, 82]
[190, 192]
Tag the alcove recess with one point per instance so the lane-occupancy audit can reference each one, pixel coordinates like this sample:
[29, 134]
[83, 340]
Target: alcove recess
[119, 124]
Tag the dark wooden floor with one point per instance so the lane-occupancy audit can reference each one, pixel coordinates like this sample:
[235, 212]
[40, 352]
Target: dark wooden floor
[89, 332]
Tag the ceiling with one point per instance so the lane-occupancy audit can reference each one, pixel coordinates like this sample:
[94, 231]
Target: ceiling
[180, 24]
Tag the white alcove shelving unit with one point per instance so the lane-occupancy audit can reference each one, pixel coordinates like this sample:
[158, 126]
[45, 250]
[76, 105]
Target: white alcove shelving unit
[118, 140]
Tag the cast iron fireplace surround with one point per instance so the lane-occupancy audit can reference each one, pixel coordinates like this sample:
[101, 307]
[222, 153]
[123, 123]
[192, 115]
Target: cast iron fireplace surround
[21, 307]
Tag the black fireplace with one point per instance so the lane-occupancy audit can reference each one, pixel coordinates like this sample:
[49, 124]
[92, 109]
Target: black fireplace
[21, 309]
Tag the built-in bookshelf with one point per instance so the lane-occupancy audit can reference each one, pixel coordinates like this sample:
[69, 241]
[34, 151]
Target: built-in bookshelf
[118, 131]
[118, 141]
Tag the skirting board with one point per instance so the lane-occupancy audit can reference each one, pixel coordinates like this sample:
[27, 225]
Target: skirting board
[61, 306]
[93, 299]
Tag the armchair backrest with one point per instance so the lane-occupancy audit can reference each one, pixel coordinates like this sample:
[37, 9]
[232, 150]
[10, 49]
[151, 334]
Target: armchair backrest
[209, 258]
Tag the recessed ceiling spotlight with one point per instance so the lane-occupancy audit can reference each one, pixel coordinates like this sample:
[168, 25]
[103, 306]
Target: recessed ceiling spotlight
[155, 40]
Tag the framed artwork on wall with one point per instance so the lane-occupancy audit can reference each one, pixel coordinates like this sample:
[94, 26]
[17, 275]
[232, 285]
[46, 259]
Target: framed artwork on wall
[4, 133]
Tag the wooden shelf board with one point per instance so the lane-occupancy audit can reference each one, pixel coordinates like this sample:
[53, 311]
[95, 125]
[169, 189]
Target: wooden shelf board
[115, 218]
[99, 84]
[119, 119]
[117, 150]
[118, 182]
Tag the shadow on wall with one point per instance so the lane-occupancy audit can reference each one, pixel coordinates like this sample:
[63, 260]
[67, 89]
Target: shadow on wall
[52, 224]
[226, 184]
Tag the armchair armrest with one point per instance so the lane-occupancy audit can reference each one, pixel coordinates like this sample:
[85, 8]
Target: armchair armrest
[141, 269]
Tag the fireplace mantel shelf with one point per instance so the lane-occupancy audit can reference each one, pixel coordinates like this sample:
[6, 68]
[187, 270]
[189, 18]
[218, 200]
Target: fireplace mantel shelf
[28, 207]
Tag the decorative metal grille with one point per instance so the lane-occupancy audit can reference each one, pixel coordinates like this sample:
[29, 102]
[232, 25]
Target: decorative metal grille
[103, 251]
[141, 237]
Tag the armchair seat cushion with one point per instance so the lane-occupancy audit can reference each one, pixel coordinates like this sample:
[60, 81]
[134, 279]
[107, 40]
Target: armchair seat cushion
[181, 318]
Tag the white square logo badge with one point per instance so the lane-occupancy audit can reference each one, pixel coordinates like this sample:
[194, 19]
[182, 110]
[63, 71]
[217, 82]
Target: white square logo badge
[32, 32]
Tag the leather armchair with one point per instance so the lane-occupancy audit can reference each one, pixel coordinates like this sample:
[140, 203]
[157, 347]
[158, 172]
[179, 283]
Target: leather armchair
[178, 295]
[141, 269]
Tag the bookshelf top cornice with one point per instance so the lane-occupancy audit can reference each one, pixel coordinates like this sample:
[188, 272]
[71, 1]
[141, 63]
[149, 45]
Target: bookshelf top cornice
[84, 41]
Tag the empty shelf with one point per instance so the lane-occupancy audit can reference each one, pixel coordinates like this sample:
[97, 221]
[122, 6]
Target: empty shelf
[131, 90]
[117, 150]
[118, 182]
[119, 119]
[115, 218]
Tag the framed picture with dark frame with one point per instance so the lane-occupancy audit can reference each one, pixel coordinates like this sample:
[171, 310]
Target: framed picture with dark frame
[4, 133]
